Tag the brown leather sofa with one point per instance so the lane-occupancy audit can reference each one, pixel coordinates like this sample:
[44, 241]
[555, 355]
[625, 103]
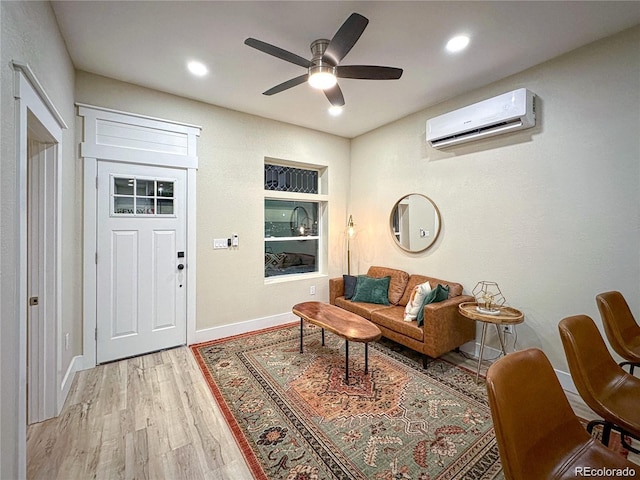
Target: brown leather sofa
[444, 328]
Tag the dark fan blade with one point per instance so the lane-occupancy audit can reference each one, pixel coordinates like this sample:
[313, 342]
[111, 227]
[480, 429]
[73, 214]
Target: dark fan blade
[369, 72]
[288, 84]
[334, 95]
[277, 52]
[345, 38]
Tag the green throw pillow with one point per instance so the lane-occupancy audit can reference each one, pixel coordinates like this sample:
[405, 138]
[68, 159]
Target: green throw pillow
[437, 294]
[372, 290]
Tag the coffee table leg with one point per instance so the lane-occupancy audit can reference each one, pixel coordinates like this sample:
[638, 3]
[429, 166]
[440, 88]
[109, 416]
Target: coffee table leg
[301, 335]
[366, 358]
[323, 337]
[346, 364]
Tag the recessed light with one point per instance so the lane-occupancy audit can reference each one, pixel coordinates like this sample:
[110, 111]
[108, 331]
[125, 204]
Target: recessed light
[458, 43]
[335, 110]
[197, 68]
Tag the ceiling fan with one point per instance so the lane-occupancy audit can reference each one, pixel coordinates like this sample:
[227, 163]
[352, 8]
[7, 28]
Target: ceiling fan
[323, 69]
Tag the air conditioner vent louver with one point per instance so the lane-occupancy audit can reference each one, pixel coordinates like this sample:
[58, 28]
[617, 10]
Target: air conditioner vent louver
[505, 113]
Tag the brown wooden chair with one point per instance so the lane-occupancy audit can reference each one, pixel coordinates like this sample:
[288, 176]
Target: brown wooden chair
[620, 327]
[538, 434]
[604, 386]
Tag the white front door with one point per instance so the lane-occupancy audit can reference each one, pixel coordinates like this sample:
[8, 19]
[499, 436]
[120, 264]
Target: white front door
[141, 259]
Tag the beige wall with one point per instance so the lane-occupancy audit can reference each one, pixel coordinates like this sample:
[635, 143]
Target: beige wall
[30, 34]
[552, 213]
[230, 196]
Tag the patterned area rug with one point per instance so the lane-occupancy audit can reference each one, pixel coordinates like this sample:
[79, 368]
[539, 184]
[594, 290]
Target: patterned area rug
[295, 419]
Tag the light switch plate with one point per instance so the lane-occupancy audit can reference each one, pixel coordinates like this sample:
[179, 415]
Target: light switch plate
[220, 243]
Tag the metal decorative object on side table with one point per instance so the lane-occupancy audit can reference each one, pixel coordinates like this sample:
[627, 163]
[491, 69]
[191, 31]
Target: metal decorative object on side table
[500, 316]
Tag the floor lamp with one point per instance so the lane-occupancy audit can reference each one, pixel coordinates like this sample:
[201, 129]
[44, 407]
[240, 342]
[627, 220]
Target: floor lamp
[350, 234]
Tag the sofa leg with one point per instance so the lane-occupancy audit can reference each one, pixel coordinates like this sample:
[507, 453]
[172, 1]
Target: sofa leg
[425, 361]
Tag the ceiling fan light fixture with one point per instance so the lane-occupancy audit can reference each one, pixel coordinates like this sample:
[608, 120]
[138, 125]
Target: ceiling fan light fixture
[198, 69]
[322, 77]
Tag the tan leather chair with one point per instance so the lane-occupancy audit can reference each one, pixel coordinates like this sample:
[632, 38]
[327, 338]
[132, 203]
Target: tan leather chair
[620, 327]
[539, 436]
[604, 386]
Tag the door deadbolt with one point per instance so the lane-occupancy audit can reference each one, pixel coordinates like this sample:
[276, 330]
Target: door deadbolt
[33, 301]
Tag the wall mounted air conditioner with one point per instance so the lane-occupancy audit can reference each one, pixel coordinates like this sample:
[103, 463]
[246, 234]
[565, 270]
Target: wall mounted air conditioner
[505, 113]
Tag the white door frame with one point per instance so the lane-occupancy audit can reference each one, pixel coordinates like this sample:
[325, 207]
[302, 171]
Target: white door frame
[117, 136]
[43, 337]
[33, 102]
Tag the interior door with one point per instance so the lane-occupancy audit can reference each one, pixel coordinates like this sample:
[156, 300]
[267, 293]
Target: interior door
[141, 239]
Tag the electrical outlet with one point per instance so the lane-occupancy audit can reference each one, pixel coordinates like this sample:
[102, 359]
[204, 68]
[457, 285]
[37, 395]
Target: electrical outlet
[312, 290]
[507, 329]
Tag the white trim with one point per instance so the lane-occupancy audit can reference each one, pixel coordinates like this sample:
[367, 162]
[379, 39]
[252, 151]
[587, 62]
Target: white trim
[91, 152]
[75, 366]
[89, 269]
[566, 381]
[25, 69]
[191, 248]
[230, 330]
[31, 97]
[472, 349]
[178, 126]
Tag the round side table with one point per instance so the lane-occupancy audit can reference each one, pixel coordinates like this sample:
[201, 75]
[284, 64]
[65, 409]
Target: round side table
[505, 316]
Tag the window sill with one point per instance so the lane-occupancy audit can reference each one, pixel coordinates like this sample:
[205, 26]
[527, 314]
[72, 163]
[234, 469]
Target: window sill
[294, 277]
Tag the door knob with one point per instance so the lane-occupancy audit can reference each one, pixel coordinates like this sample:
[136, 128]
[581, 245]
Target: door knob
[180, 266]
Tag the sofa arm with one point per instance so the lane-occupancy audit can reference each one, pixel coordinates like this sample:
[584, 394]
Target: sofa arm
[445, 328]
[336, 289]
[441, 310]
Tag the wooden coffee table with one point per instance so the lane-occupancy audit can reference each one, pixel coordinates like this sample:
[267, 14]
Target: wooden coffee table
[345, 324]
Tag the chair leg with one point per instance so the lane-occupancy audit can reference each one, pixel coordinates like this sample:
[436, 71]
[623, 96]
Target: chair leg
[626, 445]
[606, 430]
[606, 434]
[632, 366]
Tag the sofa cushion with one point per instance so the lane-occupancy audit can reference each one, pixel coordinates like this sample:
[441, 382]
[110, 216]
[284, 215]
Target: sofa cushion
[455, 289]
[372, 290]
[397, 284]
[363, 309]
[393, 319]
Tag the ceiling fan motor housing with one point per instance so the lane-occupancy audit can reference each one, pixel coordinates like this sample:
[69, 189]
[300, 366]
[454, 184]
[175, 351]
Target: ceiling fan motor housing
[318, 65]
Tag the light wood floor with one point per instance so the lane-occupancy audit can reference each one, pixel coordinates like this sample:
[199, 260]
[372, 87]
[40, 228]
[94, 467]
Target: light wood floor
[146, 417]
[149, 417]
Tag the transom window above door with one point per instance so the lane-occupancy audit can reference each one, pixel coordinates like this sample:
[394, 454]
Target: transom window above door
[135, 196]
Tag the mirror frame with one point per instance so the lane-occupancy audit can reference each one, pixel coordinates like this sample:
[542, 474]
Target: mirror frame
[437, 216]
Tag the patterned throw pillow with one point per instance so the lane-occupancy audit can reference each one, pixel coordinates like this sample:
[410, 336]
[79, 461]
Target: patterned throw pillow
[372, 290]
[273, 260]
[415, 301]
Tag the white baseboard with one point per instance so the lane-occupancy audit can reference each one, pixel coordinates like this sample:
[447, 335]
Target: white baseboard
[473, 349]
[75, 365]
[215, 333]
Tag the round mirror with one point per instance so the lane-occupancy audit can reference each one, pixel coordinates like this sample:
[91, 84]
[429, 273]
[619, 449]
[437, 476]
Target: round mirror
[415, 222]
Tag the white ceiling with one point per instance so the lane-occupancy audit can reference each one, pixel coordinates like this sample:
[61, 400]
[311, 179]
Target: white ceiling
[149, 43]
